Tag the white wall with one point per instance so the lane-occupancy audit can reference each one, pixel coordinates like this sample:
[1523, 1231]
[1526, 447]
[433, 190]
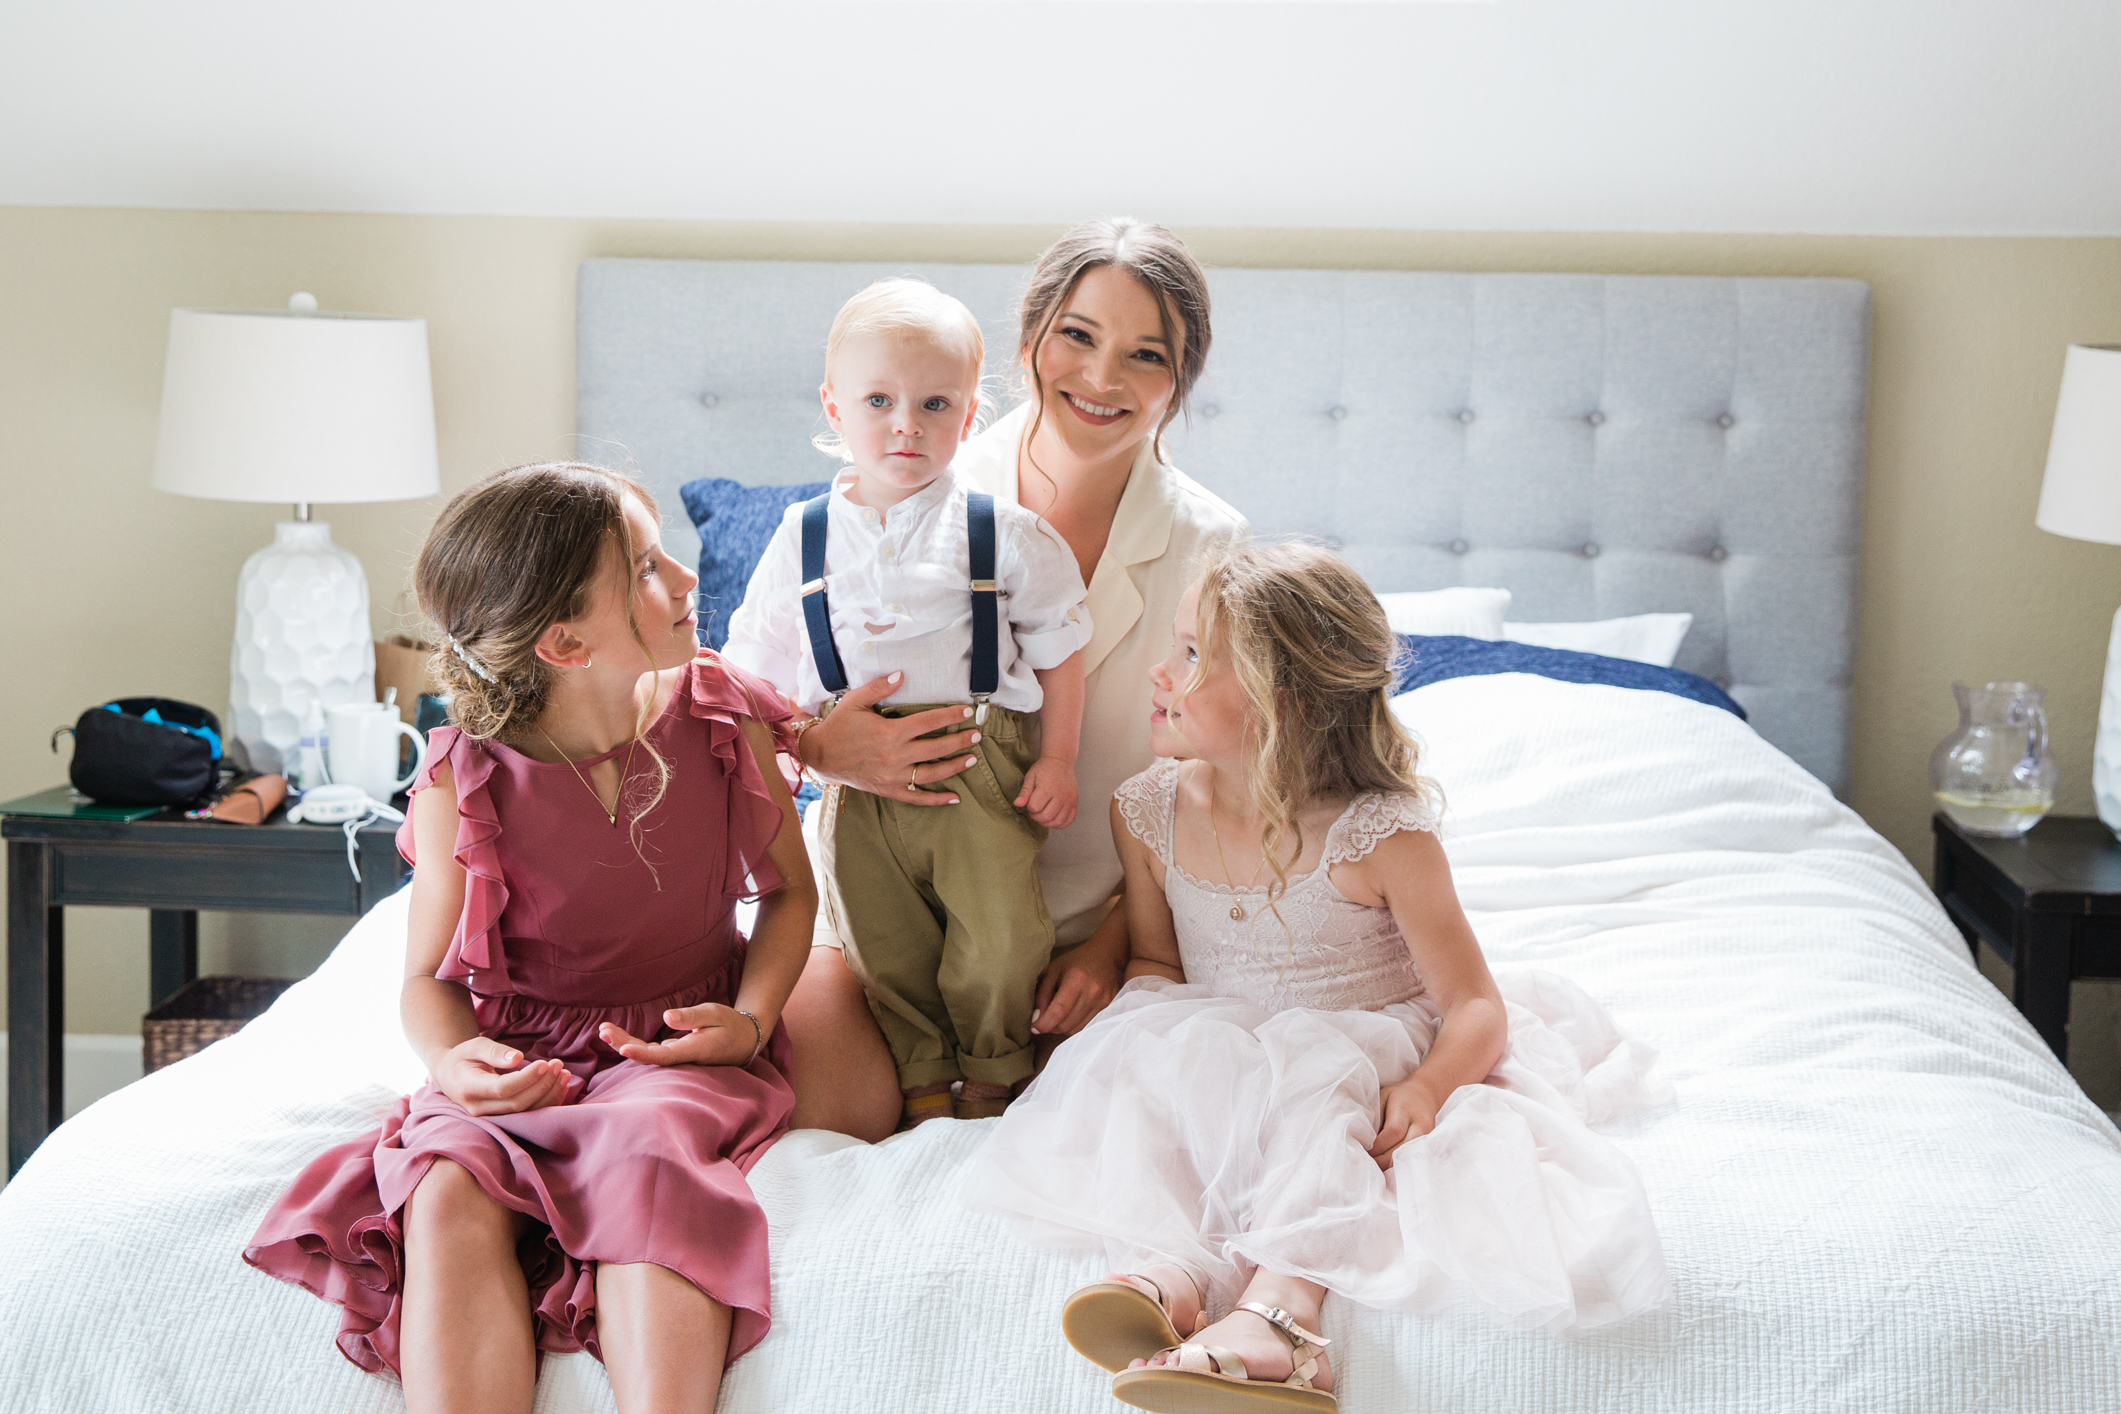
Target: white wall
[1883, 116]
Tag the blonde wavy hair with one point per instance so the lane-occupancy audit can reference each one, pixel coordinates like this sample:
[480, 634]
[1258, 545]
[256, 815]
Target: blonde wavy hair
[905, 308]
[509, 557]
[1309, 646]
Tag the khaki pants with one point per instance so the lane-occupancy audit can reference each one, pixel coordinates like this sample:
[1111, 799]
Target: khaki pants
[941, 911]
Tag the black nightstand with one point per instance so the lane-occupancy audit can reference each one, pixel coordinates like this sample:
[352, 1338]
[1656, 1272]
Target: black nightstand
[174, 867]
[2048, 902]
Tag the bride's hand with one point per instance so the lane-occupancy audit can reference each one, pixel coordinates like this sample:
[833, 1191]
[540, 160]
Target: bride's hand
[859, 747]
[1408, 1111]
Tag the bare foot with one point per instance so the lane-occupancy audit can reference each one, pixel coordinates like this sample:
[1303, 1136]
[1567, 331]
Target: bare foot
[1264, 1349]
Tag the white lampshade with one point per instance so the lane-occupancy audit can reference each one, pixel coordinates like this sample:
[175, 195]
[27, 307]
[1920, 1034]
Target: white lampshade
[2081, 495]
[267, 406]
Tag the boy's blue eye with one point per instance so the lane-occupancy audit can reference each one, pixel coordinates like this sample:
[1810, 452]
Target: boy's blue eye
[877, 400]
[936, 404]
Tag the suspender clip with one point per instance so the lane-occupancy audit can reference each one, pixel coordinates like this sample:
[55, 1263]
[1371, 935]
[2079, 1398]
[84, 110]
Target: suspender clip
[979, 709]
[981, 586]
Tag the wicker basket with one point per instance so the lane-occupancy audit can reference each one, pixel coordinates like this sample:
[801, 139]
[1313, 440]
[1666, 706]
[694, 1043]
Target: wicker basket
[201, 1012]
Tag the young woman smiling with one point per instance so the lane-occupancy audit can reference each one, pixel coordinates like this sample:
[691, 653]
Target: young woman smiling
[1114, 333]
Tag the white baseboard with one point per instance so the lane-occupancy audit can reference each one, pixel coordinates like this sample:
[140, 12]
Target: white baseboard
[95, 1066]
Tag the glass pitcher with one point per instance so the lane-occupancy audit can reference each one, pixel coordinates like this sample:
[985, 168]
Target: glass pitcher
[1994, 775]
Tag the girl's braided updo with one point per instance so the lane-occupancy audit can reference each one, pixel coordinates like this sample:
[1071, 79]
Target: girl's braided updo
[509, 557]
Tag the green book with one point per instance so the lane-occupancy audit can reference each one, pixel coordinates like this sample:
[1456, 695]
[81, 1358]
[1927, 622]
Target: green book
[66, 803]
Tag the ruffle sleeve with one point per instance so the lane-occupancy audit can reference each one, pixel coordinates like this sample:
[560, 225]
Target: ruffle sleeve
[722, 695]
[475, 956]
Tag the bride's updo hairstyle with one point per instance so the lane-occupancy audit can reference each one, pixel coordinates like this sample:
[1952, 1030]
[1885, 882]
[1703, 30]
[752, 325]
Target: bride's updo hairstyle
[1152, 255]
[1310, 648]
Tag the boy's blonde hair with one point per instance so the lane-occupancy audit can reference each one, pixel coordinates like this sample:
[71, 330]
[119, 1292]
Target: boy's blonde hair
[1311, 650]
[903, 308]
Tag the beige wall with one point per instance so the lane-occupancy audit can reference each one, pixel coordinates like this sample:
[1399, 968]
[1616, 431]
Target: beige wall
[118, 588]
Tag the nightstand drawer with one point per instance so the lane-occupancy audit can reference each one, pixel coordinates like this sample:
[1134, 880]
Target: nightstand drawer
[129, 875]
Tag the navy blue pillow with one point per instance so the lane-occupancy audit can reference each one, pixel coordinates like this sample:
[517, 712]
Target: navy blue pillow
[1426, 659]
[735, 523]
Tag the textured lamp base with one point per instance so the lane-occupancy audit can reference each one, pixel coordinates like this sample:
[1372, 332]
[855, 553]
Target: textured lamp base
[2106, 747]
[302, 637]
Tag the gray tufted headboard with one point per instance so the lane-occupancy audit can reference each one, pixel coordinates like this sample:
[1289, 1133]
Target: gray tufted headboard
[1598, 445]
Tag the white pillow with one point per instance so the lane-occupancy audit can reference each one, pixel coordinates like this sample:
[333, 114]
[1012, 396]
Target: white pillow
[1468, 613]
[1646, 638]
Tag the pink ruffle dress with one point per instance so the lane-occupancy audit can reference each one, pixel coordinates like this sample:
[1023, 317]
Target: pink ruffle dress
[565, 926]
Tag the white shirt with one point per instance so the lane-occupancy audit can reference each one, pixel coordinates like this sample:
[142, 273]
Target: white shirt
[898, 581]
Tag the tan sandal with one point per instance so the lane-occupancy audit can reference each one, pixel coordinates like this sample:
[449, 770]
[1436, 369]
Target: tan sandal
[1207, 1379]
[1129, 1318]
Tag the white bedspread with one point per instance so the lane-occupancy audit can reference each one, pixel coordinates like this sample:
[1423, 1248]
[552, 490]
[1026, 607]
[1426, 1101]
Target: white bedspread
[1877, 1189]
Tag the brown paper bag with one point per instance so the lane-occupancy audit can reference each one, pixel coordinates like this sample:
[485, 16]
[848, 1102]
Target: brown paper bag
[402, 664]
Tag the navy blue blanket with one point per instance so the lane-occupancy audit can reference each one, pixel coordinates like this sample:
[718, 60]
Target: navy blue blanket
[1428, 659]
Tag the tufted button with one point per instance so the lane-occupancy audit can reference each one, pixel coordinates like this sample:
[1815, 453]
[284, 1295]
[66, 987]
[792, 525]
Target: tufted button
[1726, 421]
[1596, 419]
[1211, 410]
[1718, 554]
[1459, 547]
[1465, 415]
[1338, 414]
[1590, 551]
[709, 400]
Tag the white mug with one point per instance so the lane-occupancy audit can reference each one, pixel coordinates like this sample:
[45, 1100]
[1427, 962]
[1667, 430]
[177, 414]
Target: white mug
[364, 749]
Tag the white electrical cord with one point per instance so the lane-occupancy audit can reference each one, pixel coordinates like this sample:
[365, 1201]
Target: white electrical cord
[346, 806]
[375, 811]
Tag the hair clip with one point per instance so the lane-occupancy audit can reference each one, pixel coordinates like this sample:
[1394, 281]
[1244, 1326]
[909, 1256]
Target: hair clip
[469, 661]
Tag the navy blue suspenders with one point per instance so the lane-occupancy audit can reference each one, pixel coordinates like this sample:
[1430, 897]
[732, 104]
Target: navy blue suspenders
[986, 602]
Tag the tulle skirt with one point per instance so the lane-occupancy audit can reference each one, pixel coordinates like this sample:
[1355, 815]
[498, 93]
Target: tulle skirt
[1200, 1130]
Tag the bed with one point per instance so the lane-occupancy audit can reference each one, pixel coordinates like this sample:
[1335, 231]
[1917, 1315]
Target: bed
[1877, 1188]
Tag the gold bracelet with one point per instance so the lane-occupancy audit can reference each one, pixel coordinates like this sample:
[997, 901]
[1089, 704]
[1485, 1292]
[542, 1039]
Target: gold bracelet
[795, 747]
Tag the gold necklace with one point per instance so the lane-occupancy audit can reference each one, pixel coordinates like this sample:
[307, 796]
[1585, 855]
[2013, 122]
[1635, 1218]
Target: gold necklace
[625, 774]
[1237, 910]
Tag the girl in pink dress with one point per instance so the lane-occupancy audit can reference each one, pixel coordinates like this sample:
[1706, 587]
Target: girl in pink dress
[604, 1049]
[1311, 1082]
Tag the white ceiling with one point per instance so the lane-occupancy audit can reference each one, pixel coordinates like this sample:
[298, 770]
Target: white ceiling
[1925, 116]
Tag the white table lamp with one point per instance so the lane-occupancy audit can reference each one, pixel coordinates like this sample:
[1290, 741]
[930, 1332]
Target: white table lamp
[298, 407]
[2081, 498]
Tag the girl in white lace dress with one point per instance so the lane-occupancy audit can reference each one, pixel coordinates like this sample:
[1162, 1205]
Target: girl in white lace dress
[1311, 1082]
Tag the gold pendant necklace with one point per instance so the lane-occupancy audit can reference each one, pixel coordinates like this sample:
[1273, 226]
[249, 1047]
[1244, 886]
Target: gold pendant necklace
[1237, 910]
[625, 775]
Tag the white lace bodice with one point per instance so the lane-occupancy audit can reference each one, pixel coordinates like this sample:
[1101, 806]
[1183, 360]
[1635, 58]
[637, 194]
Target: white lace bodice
[1335, 955]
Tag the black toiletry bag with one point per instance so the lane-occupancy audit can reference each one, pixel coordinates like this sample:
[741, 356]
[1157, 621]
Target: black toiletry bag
[144, 751]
